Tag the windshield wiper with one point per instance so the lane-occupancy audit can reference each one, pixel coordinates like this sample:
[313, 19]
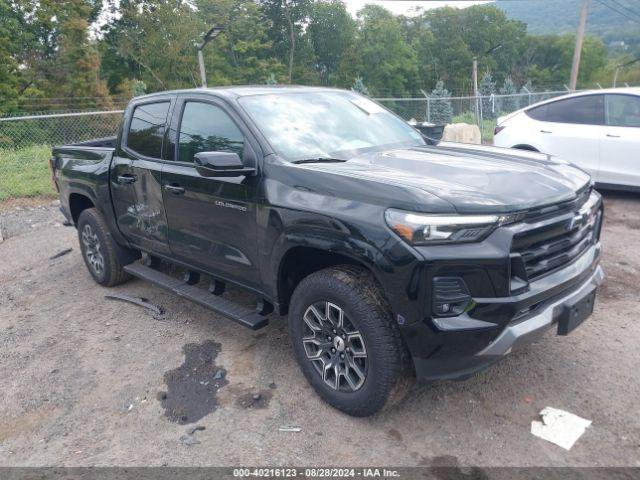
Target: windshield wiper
[320, 160]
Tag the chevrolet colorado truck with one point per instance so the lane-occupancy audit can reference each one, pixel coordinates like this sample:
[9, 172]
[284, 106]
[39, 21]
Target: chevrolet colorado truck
[394, 259]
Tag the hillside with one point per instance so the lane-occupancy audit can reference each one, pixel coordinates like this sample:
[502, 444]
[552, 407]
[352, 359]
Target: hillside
[561, 16]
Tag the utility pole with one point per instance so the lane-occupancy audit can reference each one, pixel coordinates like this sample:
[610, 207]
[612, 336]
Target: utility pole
[575, 67]
[475, 88]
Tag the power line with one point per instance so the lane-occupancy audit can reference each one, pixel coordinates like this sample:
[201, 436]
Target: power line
[626, 9]
[610, 7]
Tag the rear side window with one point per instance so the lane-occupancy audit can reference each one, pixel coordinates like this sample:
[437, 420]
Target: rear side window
[622, 110]
[146, 130]
[207, 128]
[587, 110]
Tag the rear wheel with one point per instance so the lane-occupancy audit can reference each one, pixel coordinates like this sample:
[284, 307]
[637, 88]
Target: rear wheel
[98, 249]
[346, 342]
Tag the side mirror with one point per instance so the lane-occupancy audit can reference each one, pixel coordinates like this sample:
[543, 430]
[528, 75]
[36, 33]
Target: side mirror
[220, 164]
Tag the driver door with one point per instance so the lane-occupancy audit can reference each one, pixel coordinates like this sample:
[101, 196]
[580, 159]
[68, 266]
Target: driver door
[212, 220]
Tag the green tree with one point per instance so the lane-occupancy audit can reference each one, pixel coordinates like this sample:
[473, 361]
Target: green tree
[77, 64]
[157, 42]
[243, 53]
[441, 49]
[440, 105]
[331, 31]
[287, 20]
[550, 59]
[10, 75]
[381, 54]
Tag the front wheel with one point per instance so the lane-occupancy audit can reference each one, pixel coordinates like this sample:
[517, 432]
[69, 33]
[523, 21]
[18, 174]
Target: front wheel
[98, 249]
[346, 342]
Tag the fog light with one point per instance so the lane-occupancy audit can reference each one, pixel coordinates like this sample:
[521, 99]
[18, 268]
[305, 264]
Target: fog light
[450, 297]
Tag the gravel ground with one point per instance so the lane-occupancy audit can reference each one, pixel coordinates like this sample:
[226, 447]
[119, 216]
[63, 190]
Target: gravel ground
[90, 381]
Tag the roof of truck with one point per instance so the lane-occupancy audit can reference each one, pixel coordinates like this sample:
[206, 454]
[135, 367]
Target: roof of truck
[246, 90]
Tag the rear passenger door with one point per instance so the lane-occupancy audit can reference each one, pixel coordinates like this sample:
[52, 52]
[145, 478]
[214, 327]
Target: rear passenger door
[212, 220]
[620, 144]
[142, 149]
[570, 129]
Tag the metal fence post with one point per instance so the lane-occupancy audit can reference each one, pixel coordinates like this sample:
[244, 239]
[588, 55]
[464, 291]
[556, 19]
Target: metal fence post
[427, 115]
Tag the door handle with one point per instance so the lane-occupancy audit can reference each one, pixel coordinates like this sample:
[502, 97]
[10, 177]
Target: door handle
[612, 136]
[126, 179]
[175, 189]
[546, 131]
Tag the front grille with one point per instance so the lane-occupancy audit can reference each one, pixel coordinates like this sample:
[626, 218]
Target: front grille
[551, 245]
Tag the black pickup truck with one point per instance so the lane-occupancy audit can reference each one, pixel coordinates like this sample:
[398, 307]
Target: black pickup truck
[393, 258]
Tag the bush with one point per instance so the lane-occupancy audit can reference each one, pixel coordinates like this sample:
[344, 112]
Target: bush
[25, 172]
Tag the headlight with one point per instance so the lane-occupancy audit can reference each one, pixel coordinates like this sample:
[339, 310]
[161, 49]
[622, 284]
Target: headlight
[420, 229]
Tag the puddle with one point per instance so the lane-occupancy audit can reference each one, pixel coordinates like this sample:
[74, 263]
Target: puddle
[192, 387]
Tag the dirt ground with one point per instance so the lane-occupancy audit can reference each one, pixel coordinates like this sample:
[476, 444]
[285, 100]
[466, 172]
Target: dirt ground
[87, 380]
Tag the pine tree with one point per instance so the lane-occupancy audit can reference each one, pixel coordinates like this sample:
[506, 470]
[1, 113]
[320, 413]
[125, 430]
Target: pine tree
[486, 89]
[359, 86]
[440, 105]
[139, 87]
[510, 103]
[271, 79]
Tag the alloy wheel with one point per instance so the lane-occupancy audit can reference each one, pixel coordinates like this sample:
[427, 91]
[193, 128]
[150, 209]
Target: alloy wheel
[92, 249]
[334, 346]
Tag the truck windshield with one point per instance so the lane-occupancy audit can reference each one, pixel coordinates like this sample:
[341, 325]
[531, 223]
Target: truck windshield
[326, 124]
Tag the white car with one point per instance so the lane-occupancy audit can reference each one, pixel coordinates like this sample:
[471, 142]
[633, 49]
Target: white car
[598, 131]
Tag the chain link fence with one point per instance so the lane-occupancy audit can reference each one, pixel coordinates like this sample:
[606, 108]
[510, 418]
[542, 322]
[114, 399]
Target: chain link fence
[26, 141]
[480, 110]
[25, 149]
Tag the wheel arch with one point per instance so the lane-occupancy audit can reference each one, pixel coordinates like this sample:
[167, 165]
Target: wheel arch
[78, 202]
[301, 261]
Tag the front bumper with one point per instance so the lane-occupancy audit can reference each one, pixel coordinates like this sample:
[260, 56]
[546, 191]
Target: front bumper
[529, 329]
[508, 323]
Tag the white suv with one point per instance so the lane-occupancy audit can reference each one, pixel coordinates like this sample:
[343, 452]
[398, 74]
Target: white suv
[598, 131]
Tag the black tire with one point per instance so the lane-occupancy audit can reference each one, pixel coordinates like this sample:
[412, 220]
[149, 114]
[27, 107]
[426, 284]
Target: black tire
[387, 366]
[98, 249]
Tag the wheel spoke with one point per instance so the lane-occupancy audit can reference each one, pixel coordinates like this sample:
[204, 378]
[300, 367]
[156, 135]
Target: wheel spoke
[316, 344]
[353, 367]
[309, 316]
[327, 369]
[352, 384]
[335, 315]
[356, 344]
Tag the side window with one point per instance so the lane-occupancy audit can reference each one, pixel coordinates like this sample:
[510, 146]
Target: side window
[207, 128]
[147, 129]
[622, 110]
[586, 110]
[538, 113]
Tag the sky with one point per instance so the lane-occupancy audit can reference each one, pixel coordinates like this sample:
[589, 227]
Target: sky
[403, 6]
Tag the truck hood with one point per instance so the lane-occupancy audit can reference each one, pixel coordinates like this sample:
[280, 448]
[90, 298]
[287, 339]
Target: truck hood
[472, 179]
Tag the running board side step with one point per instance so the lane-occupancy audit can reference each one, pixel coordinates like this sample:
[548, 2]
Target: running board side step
[239, 313]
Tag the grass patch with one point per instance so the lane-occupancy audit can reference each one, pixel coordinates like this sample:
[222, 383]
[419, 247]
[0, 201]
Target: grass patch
[25, 172]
